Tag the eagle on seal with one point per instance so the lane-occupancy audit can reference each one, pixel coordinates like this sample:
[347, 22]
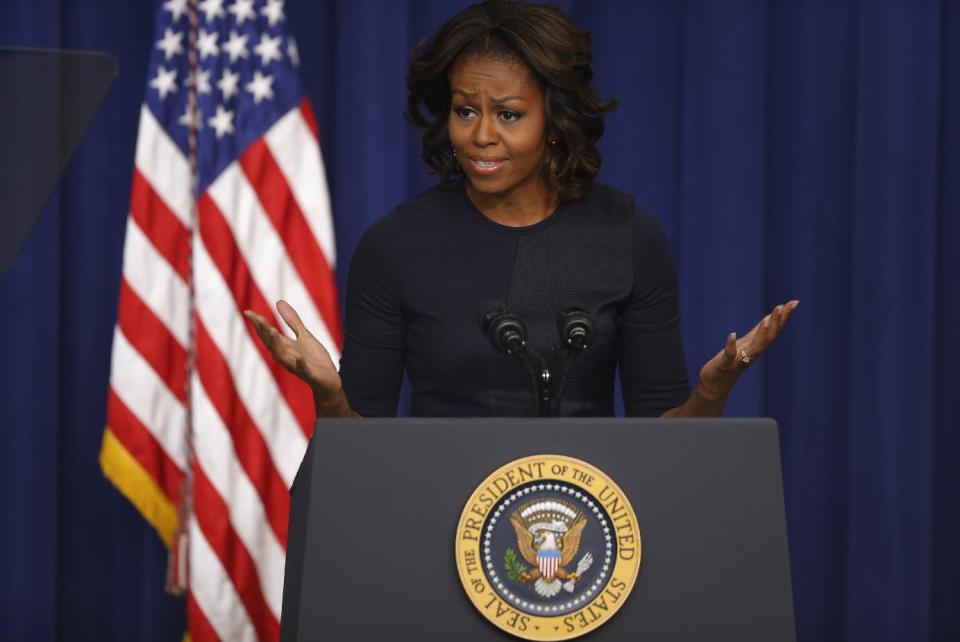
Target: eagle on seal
[549, 546]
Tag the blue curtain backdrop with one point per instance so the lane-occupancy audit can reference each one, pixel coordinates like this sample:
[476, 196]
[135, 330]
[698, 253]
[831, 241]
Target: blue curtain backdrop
[806, 149]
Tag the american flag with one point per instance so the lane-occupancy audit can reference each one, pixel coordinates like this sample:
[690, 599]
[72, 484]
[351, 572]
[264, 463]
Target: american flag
[229, 211]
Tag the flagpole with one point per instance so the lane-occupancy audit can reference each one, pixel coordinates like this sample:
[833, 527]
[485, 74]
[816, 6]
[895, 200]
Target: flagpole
[178, 576]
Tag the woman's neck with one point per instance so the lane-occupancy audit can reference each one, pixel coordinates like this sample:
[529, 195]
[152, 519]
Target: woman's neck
[517, 208]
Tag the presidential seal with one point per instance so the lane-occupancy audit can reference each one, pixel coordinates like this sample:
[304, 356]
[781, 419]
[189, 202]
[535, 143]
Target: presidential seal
[548, 548]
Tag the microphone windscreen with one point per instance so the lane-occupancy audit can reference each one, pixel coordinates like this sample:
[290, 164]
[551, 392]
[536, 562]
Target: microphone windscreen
[573, 306]
[487, 311]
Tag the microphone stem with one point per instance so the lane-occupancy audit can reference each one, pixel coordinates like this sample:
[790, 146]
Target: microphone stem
[567, 365]
[545, 389]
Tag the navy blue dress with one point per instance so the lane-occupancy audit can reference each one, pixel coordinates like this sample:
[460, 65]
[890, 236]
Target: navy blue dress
[420, 274]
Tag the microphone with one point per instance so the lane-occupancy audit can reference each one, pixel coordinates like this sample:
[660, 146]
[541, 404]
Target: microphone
[576, 327]
[506, 332]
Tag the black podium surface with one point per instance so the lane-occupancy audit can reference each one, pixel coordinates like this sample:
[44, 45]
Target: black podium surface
[376, 504]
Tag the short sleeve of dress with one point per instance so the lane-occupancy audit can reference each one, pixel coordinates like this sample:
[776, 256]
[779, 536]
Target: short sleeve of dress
[653, 372]
[371, 366]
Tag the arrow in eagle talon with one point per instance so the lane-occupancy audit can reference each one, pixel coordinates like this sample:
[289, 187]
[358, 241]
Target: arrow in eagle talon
[585, 562]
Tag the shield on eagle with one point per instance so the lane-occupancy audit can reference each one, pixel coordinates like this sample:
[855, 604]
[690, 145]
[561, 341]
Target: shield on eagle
[549, 562]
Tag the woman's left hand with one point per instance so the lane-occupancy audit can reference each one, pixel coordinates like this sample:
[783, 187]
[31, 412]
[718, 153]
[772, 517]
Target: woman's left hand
[718, 375]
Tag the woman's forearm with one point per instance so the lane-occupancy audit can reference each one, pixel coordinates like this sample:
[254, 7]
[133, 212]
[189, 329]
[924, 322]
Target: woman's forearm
[330, 405]
[701, 403]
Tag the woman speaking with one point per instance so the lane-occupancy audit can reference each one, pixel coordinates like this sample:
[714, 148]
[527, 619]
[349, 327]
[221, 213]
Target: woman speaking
[510, 124]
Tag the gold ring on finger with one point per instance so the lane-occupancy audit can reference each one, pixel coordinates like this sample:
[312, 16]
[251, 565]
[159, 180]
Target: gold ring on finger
[744, 357]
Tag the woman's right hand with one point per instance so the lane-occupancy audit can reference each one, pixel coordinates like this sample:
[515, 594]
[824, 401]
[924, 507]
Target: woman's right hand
[304, 356]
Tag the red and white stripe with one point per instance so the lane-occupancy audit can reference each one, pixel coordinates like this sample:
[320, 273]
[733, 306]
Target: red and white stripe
[264, 232]
[548, 566]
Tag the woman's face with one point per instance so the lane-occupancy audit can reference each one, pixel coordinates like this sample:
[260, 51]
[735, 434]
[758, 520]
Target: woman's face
[497, 126]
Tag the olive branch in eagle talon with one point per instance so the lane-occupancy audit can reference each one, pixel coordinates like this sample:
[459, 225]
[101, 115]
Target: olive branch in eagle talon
[512, 566]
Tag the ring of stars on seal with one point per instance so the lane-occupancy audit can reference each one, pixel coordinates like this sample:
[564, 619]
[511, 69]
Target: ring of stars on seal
[541, 606]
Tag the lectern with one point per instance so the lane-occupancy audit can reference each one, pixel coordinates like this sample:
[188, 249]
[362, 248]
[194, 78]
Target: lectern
[394, 523]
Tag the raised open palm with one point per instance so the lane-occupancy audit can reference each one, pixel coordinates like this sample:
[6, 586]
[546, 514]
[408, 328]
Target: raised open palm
[720, 373]
[304, 356]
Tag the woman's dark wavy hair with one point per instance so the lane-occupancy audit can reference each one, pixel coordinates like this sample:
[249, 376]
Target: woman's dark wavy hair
[556, 51]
